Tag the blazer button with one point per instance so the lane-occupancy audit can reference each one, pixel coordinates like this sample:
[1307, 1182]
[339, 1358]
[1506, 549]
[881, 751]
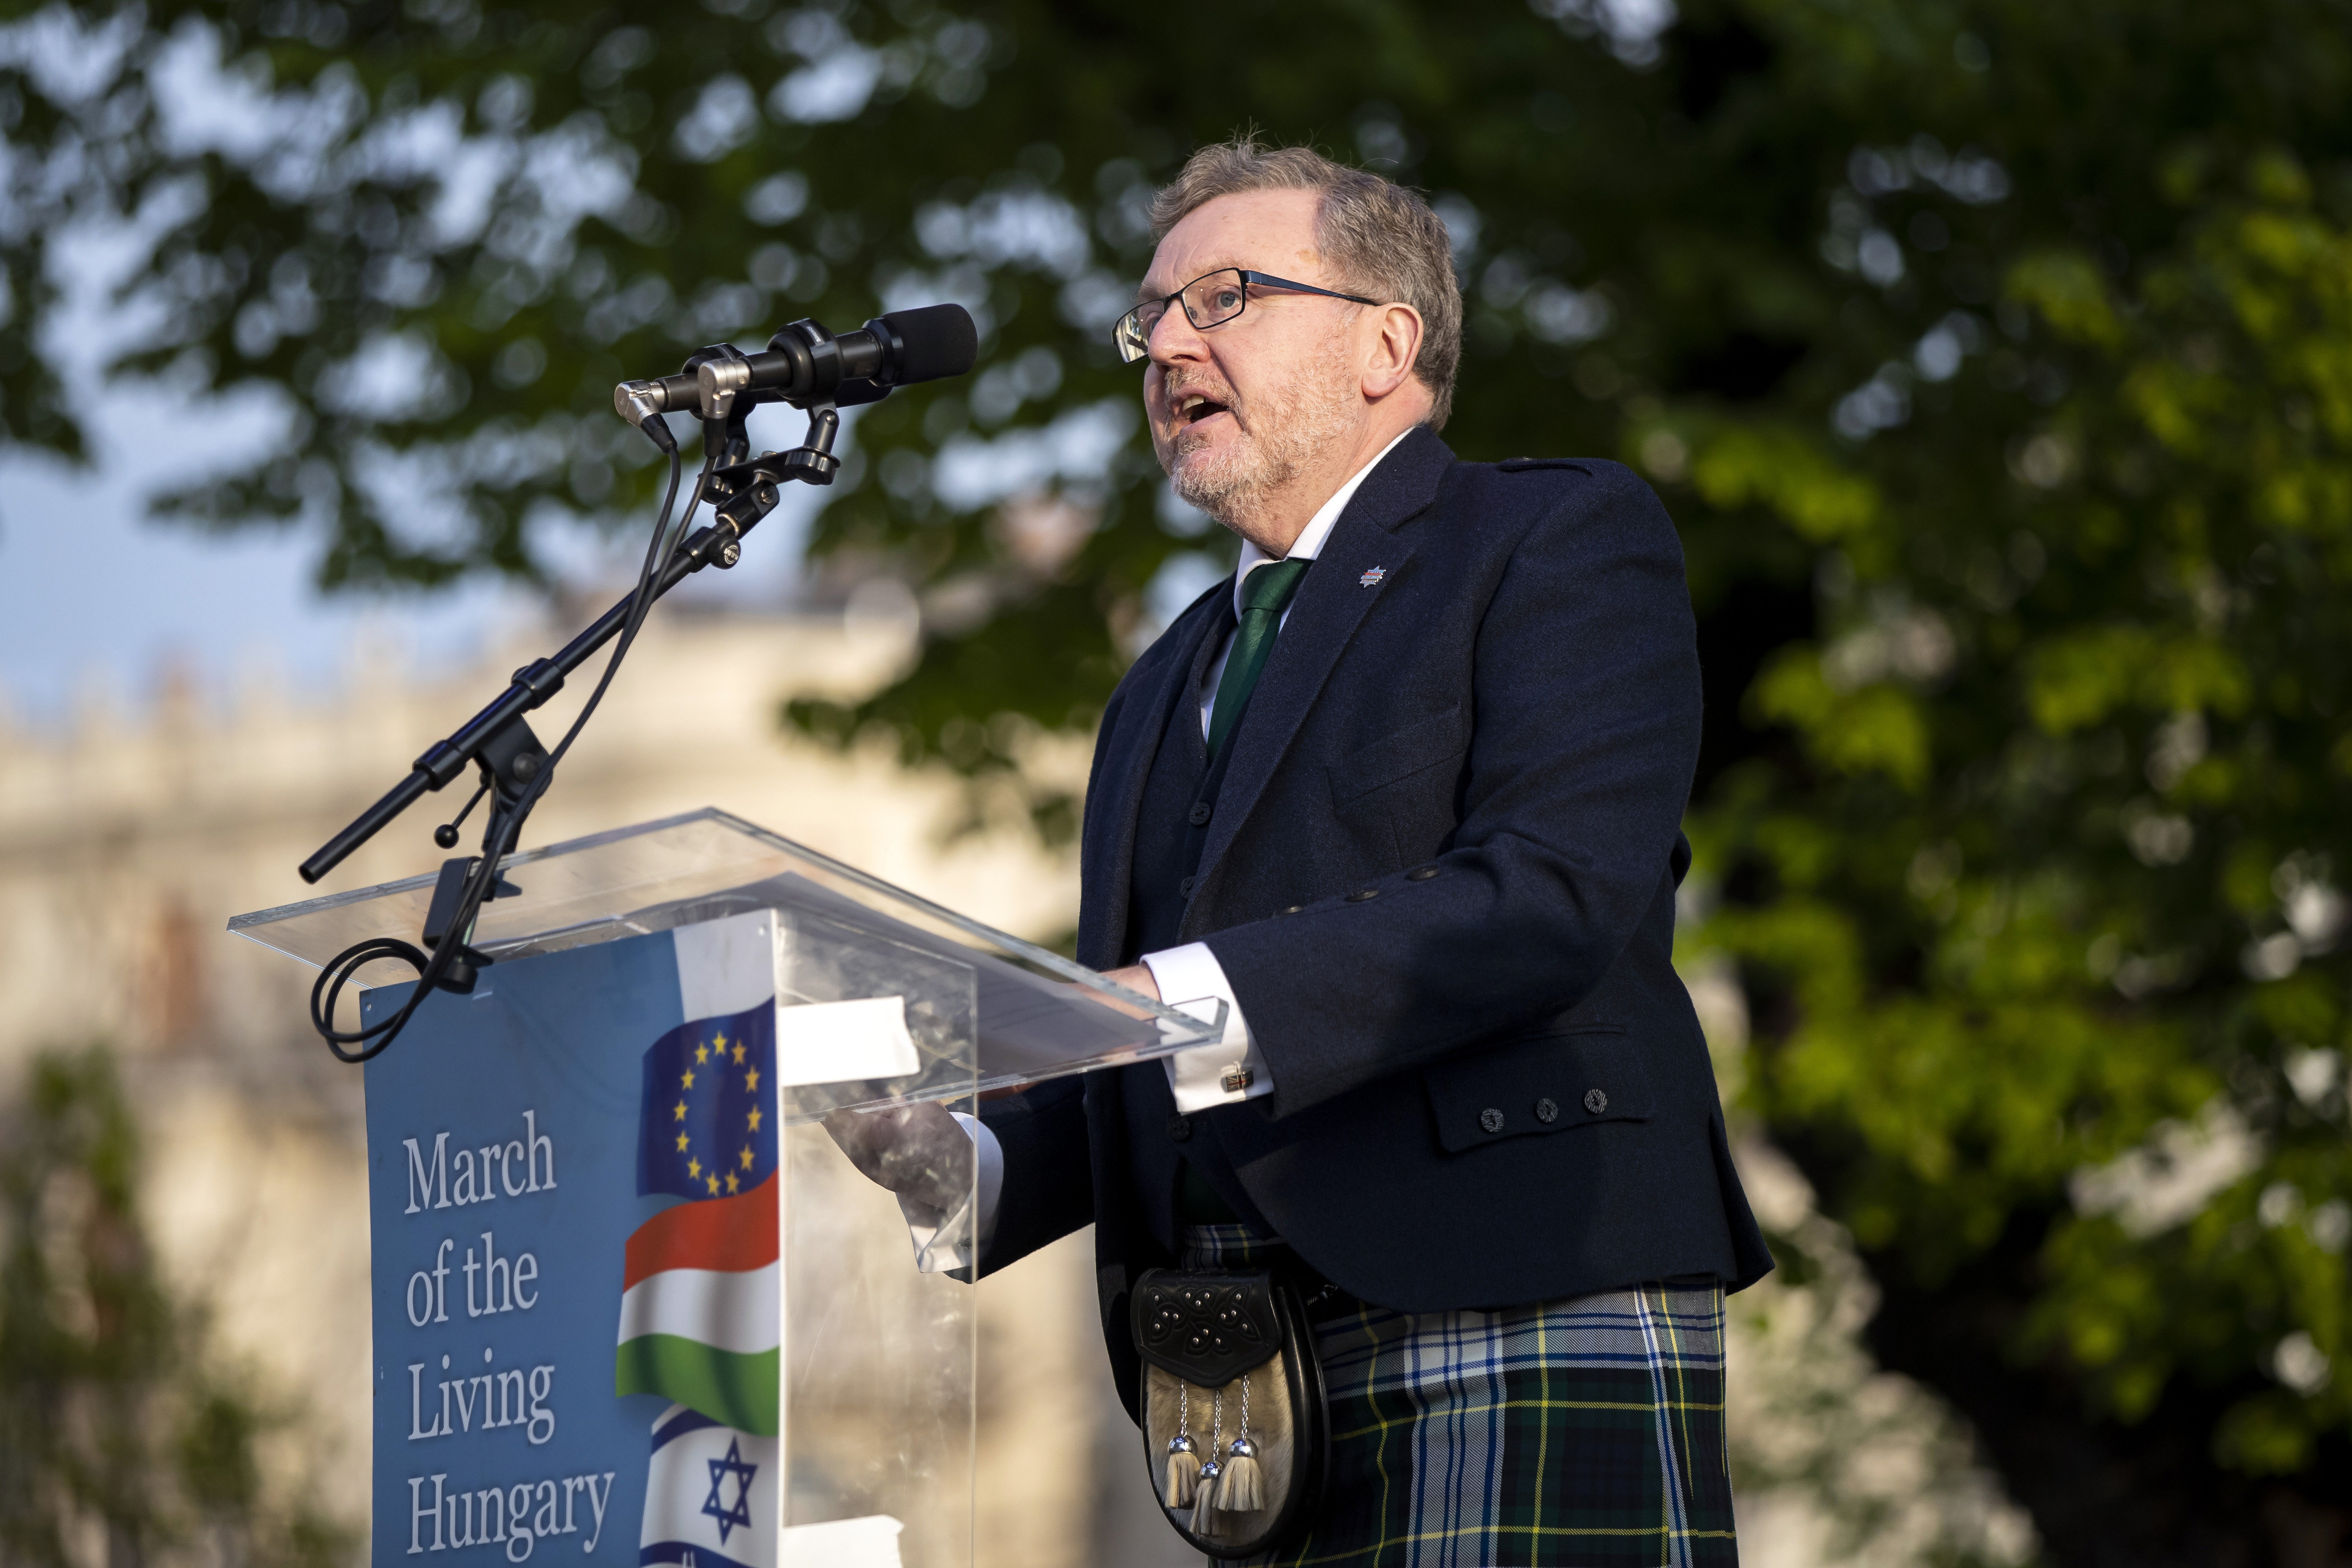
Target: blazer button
[1199, 815]
[1420, 874]
[1595, 1101]
[1363, 895]
[1179, 1129]
[1185, 887]
[1546, 1111]
[1491, 1119]
[1296, 909]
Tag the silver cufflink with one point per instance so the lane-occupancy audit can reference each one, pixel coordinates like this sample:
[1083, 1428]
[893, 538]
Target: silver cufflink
[1236, 1078]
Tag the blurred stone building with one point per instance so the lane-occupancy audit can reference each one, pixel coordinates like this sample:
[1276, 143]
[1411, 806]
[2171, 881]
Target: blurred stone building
[126, 842]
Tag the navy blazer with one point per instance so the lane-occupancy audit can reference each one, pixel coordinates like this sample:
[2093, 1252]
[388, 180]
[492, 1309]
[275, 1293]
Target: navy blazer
[1441, 879]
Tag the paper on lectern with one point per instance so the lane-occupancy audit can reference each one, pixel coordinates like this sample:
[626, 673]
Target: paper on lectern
[1029, 1025]
[868, 1543]
[841, 1042]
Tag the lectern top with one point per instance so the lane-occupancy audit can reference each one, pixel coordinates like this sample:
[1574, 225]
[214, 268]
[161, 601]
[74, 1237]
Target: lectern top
[1041, 1015]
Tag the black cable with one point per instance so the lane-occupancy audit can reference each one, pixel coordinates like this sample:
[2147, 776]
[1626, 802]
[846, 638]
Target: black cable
[347, 964]
[506, 824]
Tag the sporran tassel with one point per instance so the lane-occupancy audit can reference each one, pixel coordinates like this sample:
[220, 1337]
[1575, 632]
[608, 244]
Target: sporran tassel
[1183, 1465]
[1204, 1500]
[1183, 1472]
[1242, 1488]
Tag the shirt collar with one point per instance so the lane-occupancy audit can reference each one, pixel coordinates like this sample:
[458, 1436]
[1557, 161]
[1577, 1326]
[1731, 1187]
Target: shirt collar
[1310, 543]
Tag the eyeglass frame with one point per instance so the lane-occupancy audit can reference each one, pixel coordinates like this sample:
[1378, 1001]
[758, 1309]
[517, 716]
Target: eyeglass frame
[1142, 337]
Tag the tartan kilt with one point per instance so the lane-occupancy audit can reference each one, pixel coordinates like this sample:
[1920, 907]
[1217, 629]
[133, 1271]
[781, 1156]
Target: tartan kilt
[1586, 1432]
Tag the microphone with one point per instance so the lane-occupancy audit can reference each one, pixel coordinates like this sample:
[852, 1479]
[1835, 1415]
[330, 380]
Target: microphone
[805, 364]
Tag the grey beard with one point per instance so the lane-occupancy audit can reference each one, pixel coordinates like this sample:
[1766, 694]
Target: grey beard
[1234, 489]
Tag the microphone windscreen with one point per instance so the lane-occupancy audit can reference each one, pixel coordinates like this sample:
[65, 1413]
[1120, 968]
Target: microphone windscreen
[936, 341]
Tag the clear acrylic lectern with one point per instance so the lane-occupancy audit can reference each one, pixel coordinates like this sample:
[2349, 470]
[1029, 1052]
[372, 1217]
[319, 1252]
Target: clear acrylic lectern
[614, 1349]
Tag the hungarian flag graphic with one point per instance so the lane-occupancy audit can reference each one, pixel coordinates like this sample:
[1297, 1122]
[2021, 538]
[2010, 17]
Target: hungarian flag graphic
[699, 1310]
[699, 1306]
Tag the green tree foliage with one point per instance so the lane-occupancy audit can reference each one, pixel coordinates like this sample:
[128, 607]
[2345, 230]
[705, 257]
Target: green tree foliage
[1995, 358]
[2052, 868]
[115, 1426]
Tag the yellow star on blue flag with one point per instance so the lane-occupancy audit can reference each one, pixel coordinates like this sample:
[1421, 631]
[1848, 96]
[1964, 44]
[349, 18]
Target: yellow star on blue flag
[704, 1131]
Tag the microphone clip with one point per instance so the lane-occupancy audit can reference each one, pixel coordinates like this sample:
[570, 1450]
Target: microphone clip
[742, 493]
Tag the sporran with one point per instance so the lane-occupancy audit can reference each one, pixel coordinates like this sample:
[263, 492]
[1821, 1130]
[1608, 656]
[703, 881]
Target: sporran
[1235, 1424]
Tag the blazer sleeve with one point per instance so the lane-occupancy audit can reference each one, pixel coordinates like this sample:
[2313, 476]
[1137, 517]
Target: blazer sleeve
[1585, 737]
[1048, 1189]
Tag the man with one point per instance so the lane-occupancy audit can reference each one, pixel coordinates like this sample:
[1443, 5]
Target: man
[1405, 794]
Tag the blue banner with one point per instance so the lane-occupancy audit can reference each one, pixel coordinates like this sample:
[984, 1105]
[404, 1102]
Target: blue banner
[504, 1146]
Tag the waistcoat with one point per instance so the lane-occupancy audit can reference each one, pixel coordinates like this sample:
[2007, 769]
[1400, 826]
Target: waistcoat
[1180, 798]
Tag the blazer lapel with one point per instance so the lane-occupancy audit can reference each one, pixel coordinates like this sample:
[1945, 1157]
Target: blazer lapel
[1332, 600]
[1115, 799]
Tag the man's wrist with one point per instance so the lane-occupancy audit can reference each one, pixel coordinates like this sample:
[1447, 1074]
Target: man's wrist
[1228, 1071]
[1136, 977]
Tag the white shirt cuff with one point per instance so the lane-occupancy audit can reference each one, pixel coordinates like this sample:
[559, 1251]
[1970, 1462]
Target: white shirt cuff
[1189, 975]
[941, 1241]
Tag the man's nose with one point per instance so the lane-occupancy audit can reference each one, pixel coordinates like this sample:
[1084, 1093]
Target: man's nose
[1174, 338]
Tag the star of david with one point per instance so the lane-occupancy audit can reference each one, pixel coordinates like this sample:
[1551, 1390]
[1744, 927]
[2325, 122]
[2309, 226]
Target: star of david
[740, 1512]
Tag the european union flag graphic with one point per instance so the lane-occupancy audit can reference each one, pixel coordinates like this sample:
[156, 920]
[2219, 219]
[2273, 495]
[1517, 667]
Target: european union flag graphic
[707, 1118]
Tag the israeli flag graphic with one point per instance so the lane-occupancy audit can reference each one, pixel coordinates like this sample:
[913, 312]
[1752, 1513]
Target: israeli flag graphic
[711, 1498]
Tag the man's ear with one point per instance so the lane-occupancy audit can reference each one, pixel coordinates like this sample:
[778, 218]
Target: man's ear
[1395, 346]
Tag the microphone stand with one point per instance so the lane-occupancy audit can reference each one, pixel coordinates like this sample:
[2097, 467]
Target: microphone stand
[805, 365]
[499, 740]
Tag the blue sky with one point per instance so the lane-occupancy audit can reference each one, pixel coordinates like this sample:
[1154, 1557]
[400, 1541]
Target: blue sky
[97, 599]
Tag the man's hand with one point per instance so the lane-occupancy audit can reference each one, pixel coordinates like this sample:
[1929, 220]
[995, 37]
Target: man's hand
[918, 1152]
[1136, 977]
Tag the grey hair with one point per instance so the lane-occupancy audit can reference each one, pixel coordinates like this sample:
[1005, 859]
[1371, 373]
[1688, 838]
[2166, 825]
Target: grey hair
[1382, 238]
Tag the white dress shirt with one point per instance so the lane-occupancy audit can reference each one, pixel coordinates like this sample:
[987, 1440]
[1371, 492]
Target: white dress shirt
[1186, 974]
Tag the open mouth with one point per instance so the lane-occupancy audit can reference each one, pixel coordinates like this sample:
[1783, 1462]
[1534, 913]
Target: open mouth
[1192, 408]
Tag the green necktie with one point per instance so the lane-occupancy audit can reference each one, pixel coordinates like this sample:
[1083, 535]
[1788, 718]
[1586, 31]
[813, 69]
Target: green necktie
[1263, 597]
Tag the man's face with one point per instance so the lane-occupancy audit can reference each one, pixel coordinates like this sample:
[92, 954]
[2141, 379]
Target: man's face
[1237, 409]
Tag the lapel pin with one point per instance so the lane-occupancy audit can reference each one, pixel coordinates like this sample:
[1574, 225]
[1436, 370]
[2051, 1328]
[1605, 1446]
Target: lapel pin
[1371, 579]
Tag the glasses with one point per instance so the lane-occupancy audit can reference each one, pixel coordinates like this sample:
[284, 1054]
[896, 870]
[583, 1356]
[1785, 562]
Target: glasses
[1209, 300]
